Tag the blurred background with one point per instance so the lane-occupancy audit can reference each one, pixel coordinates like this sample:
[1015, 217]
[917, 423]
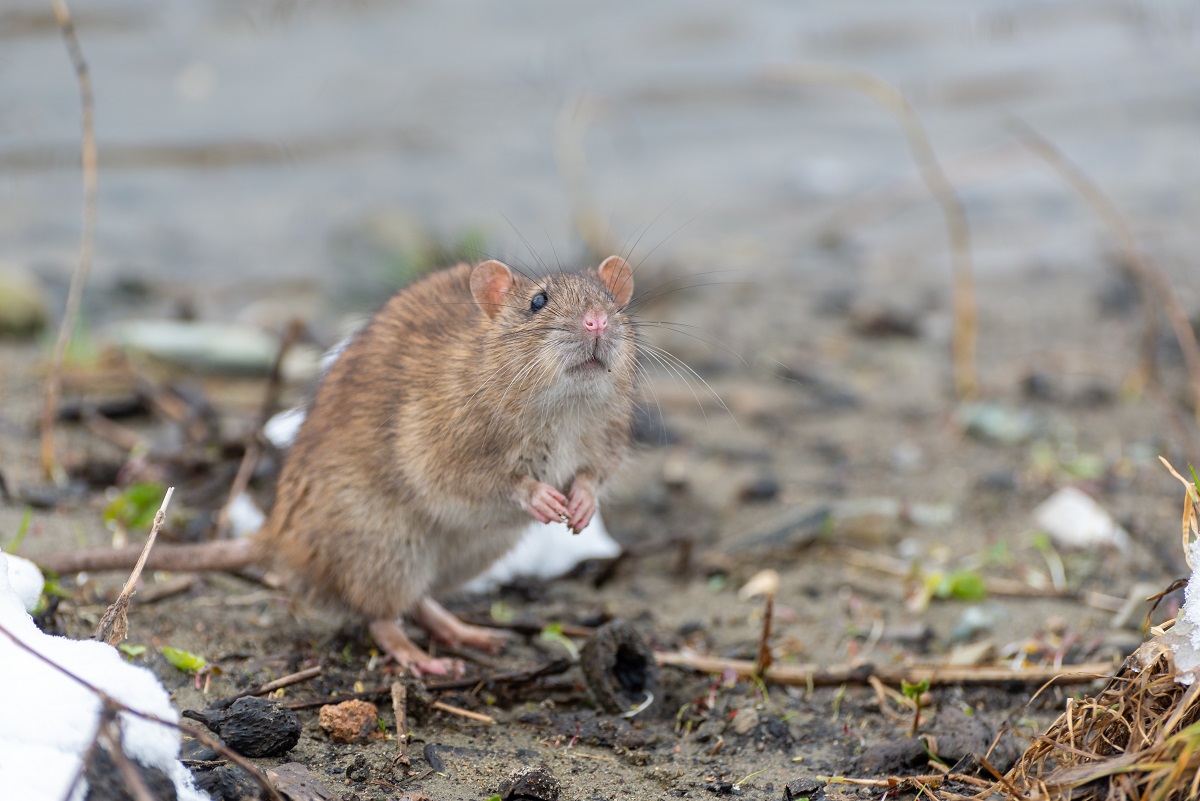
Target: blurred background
[252, 151]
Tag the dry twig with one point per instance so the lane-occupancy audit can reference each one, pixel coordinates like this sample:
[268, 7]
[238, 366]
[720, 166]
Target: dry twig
[936, 675]
[114, 626]
[53, 385]
[282, 681]
[1152, 281]
[966, 381]
[463, 713]
[571, 159]
[400, 709]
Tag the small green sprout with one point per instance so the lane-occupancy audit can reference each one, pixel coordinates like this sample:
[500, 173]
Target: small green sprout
[22, 530]
[131, 651]
[915, 691]
[188, 663]
[554, 633]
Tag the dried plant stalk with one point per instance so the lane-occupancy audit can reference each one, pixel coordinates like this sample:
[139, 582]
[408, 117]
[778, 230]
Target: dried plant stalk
[53, 385]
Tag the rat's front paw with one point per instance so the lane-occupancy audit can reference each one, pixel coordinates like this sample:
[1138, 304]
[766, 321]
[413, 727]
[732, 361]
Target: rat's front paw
[546, 503]
[580, 507]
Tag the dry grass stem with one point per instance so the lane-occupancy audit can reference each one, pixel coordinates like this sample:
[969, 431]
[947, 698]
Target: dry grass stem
[1153, 283]
[570, 157]
[282, 681]
[958, 231]
[254, 446]
[114, 625]
[936, 675]
[463, 713]
[53, 385]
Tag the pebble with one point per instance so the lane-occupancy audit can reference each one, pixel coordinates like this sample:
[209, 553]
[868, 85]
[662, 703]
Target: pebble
[530, 784]
[1074, 520]
[349, 721]
[255, 727]
[23, 305]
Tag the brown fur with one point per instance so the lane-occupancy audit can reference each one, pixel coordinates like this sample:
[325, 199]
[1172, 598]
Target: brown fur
[410, 472]
[416, 463]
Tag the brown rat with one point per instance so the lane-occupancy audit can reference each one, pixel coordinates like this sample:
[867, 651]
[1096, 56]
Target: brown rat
[474, 399]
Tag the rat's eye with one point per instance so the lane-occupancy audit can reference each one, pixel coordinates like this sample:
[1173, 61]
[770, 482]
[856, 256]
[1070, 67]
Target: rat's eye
[539, 300]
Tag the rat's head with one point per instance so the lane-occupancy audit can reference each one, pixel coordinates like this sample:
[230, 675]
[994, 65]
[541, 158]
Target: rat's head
[570, 329]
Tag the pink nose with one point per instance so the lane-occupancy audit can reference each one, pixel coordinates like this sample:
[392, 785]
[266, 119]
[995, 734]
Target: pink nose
[595, 322]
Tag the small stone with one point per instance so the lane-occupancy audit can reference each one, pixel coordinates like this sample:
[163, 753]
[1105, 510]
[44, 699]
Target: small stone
[358, 770]
[530, 784]
[252, 726]
[745, 720]
[808, 789]
[227, 783]
[22, 302]
[349, 721]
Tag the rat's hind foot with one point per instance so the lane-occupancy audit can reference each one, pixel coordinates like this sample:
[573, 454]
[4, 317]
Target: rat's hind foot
[392, 639]
[444, 627]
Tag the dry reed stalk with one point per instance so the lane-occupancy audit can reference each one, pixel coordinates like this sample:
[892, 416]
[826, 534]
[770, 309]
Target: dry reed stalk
[53, 385]
[958, 231]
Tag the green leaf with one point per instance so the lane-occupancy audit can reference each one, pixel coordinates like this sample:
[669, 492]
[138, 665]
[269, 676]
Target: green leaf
[554, 633]
[914, 690]
[135, 506]
[188, 663]
[963, 585]
[502, 612]
[131, 650]
[22, 530]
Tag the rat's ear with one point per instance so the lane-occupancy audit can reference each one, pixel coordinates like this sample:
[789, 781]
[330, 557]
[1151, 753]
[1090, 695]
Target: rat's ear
[491, 282]
[617, 278]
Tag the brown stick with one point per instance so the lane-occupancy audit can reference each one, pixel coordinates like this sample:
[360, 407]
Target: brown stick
[958, 231]
[282, 681]
[227, 555]
[463, 713]
[400, 709]
[53, 385]
[1153, 281]
[995, 585]
[114, 625]
[936, 675]
[253, 445]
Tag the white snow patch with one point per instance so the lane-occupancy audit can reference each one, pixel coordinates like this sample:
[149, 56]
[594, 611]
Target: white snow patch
[548, 550]
[25, 578]
[48, 719]
[1074, 520]
[245, 517]
[1184, 636]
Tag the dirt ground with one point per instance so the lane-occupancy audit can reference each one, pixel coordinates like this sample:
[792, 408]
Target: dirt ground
[819, 443]
[269, 159]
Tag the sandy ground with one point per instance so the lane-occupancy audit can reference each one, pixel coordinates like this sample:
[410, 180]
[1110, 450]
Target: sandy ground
[277, 159]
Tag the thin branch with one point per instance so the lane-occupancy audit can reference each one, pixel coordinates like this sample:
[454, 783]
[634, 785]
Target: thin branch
[400, 709]
[939, 675]
[1151, 278]
[570, 158]
[53, 386]
[254, 440]
[282, 681]
[958, 231]
[114, 626]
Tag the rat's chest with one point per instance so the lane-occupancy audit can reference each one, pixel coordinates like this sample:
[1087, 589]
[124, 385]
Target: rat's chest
[554, 451]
